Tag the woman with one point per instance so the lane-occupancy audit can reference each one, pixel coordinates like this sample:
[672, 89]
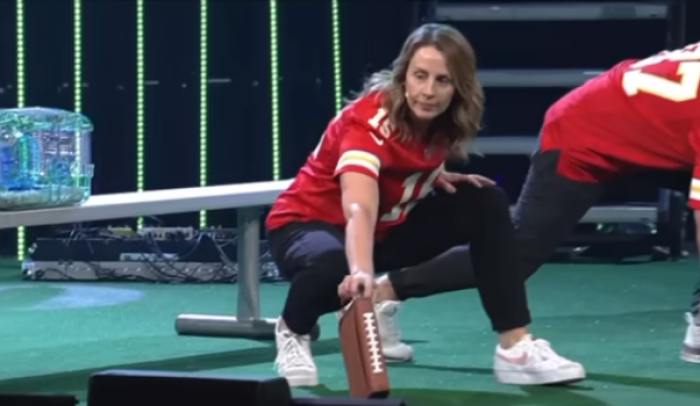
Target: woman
[364, 202]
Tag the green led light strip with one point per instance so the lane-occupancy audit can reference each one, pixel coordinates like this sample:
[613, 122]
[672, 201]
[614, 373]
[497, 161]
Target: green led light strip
[78, 74]
[203, 109]
[78, 57]
[337, 78]
[20, 99]
[140, 100]
[274, 87]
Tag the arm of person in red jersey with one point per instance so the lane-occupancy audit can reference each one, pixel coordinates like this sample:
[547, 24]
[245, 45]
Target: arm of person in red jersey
[360, 206]
[362, 155]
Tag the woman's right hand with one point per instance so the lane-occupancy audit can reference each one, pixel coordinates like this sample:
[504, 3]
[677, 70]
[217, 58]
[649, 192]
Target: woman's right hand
[359, 284]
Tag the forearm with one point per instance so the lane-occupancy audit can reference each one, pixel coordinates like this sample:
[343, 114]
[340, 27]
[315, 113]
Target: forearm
[359, 240]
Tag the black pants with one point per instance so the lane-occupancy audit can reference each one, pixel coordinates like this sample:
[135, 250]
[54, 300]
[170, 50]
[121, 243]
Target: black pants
[548, 210]
[312, 255]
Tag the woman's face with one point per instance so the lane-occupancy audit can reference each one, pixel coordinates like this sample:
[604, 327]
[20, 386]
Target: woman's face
[429, 87]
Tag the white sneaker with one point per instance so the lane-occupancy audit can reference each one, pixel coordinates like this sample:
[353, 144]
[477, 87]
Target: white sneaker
[691, 343]
[392, 347]
[534, 362]
[294, 360]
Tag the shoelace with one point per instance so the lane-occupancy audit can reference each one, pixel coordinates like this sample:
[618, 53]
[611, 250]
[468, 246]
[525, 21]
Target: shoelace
[542, 350]
[292, 353]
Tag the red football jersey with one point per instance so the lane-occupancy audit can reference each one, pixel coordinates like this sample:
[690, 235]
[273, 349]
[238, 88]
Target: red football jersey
[639, 114]
[360, 139]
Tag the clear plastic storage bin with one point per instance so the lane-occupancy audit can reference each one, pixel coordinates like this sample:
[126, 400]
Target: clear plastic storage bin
[44, 158]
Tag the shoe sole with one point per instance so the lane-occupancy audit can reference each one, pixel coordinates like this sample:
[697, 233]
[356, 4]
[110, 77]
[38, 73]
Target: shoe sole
[300, 381]
[560, 377]
[397, 360]
[690, 355]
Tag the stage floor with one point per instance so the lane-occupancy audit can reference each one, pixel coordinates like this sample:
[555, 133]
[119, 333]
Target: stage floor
[624, 322]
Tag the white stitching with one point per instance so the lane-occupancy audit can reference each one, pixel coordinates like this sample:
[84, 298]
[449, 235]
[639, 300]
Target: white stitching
[375, 352]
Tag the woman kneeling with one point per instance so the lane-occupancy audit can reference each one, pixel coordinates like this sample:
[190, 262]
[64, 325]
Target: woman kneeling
[374, 195]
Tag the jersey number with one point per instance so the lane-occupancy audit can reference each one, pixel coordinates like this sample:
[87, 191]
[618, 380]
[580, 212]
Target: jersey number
[636, 81]
[385, 129]
[408, 200]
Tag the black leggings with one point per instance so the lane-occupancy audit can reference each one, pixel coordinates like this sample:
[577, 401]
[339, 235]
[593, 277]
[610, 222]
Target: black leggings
[312, 255]
[548, 210]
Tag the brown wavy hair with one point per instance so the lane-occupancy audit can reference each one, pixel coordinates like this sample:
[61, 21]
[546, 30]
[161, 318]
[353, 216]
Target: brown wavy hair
[462, 119]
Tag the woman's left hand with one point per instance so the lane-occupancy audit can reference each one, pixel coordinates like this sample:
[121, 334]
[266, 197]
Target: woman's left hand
[447, 181]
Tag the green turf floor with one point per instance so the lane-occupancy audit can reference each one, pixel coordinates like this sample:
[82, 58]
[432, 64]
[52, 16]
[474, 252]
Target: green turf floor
[623, 322]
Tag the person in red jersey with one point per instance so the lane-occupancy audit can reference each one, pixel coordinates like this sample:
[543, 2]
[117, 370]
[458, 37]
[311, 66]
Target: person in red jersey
[641, 118]
[374, 196]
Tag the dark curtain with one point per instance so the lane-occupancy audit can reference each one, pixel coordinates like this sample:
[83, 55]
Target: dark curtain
[238, 122]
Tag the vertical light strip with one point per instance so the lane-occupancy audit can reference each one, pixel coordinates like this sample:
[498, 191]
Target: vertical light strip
[203, 94]
[274, 87]
[140, 101]
[337, 78]
[20, 98]
[78, 58]
[78, 77]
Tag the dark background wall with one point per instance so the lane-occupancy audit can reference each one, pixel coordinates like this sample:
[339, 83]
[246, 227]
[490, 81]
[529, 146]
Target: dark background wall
[239, 114]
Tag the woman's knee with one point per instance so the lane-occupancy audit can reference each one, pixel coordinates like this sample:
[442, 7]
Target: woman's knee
[320, 279]
[313, 291]
[308, 248]
[314, 260]
[496, 195]
[488, 197]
